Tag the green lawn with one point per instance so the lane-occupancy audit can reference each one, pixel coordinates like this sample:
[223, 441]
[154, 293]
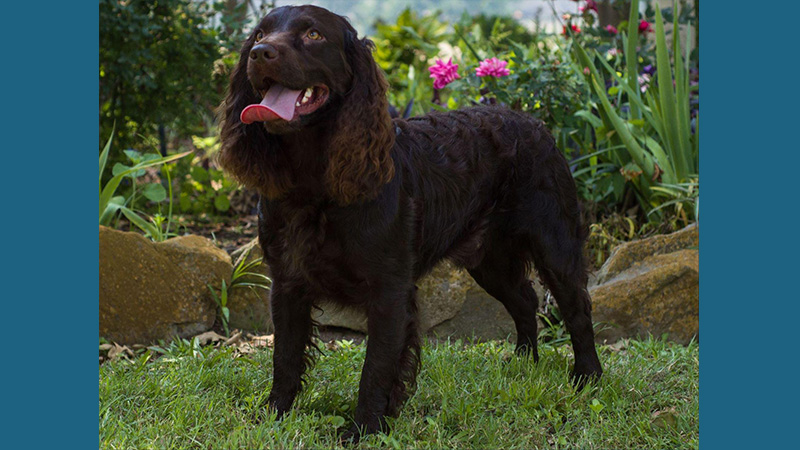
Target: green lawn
[468, 396]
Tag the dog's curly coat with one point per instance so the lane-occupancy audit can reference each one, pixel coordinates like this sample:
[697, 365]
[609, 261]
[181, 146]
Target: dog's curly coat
[356, 207]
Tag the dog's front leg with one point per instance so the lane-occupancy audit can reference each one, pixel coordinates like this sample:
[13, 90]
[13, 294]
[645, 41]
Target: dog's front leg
[391, 317]
[291, 315]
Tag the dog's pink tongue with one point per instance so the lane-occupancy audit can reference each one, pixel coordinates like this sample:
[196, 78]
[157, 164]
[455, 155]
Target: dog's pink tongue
[278, 102]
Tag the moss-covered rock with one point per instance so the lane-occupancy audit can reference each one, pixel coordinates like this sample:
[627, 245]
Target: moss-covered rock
[629, 253]
[650, 287]
[151, 291]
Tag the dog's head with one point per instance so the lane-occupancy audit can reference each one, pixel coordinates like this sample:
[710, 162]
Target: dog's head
[304, 67]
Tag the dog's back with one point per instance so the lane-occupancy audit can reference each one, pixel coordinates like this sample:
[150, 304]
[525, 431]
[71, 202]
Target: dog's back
[476, 171]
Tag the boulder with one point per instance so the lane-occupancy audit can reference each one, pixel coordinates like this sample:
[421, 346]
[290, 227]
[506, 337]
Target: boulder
[481, 316]
[627, 254]
[650, 286]
[440, 296]
[151, 291]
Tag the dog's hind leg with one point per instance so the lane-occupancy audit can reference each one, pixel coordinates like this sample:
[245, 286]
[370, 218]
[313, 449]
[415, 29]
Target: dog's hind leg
[503, 274]
[557, 244]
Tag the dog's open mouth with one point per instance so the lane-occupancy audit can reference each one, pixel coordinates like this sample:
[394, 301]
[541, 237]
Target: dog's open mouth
[280, 102]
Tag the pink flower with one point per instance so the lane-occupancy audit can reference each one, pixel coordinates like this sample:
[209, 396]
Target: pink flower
[492, 67]
[443, 73]
[575, 29]
[591, 4]
[644, 26]
[611, 29]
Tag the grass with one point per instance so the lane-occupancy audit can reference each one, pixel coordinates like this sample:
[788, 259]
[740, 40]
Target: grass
[468, 396]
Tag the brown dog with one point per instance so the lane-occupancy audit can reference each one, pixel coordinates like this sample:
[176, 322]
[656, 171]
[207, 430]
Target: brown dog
[356, 207]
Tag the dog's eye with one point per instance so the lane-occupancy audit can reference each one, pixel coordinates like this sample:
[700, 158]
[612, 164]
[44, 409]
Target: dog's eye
[313, 35]
[259, 36]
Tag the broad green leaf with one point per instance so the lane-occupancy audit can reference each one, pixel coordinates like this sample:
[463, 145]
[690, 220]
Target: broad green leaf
[119, 168]
[133, 155]
[113, 183]
[337, 421]
[222, 203]
[154, 192]
[199, 174]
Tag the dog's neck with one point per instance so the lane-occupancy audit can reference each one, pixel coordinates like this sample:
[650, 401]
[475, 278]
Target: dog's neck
[306, 155]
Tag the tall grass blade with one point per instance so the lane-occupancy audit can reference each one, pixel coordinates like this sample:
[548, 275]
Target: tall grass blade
[631, 59]
[667, 99]
[620, 126]
[104, 154]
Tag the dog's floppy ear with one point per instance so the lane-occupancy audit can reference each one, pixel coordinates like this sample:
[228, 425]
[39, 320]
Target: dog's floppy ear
[359, 160]
[248, 152]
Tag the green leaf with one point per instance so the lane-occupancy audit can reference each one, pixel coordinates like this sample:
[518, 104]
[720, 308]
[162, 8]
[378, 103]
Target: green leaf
[140, 223]
[104, 154]
[133, 155]
[222, 203]
[667, 98]
[111, 209]
[199, 174]
[223, 294]
[635, 150]
[154, 192]
[631, 60]
[111, 187]
[337, 421]
[631, 171]
[119, 168]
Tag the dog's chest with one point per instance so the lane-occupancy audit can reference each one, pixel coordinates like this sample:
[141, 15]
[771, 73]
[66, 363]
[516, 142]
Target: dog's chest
[302, 244]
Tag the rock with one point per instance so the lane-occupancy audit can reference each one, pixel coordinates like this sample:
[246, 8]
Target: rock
[482, 317]
[249, 306]
[440, 296]
[151, 291]
[627, 254]
[650, 286]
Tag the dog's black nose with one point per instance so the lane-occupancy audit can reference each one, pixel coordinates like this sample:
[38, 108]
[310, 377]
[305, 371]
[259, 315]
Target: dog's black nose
[265, 51]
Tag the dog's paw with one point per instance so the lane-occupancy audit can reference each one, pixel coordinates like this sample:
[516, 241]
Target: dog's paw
[585, 376]
[359, 430]
[351, 436]
[278, 406]
[527, 349]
